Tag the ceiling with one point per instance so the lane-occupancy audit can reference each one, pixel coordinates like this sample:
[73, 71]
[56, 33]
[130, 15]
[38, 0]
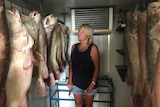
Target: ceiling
[61, 6]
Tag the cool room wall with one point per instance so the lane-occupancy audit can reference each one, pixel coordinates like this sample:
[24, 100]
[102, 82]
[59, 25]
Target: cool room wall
[107, 43]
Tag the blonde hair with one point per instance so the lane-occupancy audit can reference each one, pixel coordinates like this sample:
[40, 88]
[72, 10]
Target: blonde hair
[88, 32]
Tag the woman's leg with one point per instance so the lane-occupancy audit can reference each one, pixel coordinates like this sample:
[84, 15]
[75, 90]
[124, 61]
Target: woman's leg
[78, 100]
[89, 100]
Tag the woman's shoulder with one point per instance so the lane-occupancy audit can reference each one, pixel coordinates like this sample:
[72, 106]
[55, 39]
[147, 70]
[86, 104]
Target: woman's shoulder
[74, 45]
[94, 51]
[94, 46]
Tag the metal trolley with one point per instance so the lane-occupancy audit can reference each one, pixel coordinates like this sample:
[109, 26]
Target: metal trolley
[105, 87]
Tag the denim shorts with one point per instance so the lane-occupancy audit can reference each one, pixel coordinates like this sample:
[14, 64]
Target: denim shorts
[77, 90]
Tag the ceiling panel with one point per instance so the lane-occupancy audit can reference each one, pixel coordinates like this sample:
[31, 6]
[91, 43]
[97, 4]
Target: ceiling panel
[59, 6]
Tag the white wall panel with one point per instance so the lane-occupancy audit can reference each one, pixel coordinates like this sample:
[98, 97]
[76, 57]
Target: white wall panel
[102, 43]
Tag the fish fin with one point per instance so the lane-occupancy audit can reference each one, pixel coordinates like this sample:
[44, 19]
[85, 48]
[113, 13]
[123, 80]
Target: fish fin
[45, 74]
[40, 87]
[39, 56]
[52, 79]
[27, 63]
[57, 75]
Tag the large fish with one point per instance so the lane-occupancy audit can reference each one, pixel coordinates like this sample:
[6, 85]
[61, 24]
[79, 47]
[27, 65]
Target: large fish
[153, 52]
[62, 46]
[152, 44]
[65, 40]
[41, 56]
[57, 51]
[21, 61]
[131, 41]
[34, 26]
[52, 61]
[142, 25]
[4, 52]
[49, 22]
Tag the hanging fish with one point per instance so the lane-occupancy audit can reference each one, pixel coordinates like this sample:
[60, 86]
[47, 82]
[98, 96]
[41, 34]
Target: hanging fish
[4, 52]
[21, 61]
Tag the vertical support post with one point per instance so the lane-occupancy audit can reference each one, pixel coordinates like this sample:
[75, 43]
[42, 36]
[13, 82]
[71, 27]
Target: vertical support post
[50, 95]
[58, 95]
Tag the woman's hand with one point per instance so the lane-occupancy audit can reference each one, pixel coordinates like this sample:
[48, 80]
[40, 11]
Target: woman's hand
[69, 85]
[90, 88]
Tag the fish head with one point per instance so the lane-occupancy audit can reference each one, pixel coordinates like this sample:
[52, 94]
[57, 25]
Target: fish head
[31, 26]
[49, 23]
[18, 32]
[13, 14]
[50, 20]
[36, 16]
[14, 20]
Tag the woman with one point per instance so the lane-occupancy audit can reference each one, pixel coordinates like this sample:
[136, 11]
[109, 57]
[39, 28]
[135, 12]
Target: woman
[84, 67]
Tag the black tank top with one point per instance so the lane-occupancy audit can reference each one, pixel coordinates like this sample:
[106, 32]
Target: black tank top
[82, 67]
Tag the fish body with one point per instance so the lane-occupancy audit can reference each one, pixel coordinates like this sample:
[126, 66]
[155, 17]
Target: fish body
[4, 52]
[49, 23]
[153, 52]
[41, 57]
[21, 61]
[132, 50]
